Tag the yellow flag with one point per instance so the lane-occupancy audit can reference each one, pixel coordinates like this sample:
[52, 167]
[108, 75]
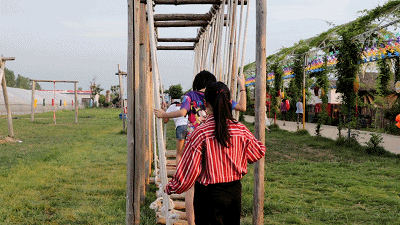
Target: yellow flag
[65, 103]
[35, 103]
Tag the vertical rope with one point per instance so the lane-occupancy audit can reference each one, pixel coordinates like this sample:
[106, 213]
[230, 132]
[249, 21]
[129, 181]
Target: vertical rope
[166, 210]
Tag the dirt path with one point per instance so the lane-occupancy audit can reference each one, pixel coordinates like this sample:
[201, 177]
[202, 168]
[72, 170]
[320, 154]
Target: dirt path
[390, 142]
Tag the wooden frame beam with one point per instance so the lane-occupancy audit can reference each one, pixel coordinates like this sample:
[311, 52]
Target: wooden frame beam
[190, 2]
[197, 23]
[57, 81]
[260, 97]
[177, 39]
[175, 47]
[169, 17]
[5, 93]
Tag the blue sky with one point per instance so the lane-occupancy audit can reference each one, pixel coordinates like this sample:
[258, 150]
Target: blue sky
[86, 39]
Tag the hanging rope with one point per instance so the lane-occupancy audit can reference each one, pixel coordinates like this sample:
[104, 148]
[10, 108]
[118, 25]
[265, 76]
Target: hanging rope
[166, 208]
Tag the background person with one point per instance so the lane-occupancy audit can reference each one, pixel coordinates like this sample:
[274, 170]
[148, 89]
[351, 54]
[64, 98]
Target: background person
[299, 110]
[180, 128]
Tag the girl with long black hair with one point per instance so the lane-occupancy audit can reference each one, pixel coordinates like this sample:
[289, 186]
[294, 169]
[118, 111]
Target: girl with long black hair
[215, 160]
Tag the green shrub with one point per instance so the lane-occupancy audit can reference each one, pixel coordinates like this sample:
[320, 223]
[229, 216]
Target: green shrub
[302, 132]
[392, 129]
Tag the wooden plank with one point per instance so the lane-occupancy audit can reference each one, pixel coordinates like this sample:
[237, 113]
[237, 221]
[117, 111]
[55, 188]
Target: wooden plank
[170, 153]
[7, 58]
[260, 97]
[168, 17]
[182, 215]
[190, 2]
[161, 220]
[142, 107]
[197, 23]
[133, 172]
[179, 48]
[178, 196]
[177, 39]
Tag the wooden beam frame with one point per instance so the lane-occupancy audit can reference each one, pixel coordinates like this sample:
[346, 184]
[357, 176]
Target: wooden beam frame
[197, 23]
[175, 47]
[54, 81]
[260, 97]
[5, 93]
[171, 17]
[121, 94]
[177, 39]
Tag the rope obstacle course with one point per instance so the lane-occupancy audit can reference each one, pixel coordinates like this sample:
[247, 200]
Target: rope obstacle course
[213, 52]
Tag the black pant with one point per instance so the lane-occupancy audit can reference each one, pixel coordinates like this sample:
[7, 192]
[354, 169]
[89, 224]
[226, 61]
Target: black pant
[218, 204]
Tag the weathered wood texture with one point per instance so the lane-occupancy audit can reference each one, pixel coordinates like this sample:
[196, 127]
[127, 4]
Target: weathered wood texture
[175, 47]
[260, 96]
[133, 175]
[5, 94]
[177, 39]
[197, 23]
[169, 17]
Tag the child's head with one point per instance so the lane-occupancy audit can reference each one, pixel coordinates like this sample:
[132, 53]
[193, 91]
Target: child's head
[202, 80]
[218, 96]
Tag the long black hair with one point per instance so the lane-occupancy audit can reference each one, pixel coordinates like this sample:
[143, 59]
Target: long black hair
[202, 80]
[218, 95]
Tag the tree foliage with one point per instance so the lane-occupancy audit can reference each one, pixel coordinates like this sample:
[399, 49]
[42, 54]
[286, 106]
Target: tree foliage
[95, 88]
[175, 91]
[19, 82]
[115, 94]
[277, 87]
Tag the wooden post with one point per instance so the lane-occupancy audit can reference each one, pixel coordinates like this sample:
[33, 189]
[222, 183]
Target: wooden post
[148, 109]
[33, 101]
[260, 91]
[76, 102]
[143, 101]
[133, 180]
[5, 94]
[121, 94]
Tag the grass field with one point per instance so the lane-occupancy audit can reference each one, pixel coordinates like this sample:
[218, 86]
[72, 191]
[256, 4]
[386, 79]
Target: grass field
[76, 174]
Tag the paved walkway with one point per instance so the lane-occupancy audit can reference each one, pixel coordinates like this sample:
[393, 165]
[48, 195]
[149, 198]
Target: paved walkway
[390, 142]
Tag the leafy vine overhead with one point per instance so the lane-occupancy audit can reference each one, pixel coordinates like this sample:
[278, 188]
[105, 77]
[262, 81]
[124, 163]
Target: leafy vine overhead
[369, 20]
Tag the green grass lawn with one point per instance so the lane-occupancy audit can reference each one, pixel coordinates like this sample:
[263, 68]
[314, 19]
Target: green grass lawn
[76, 174]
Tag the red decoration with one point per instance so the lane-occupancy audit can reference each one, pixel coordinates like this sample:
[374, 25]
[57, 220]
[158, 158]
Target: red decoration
[398, 121]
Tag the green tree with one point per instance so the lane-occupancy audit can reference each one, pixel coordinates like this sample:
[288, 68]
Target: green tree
[115, 94]
[95, 88]
[10, 77]
[102, 99]
[347, 69]
[175, 91]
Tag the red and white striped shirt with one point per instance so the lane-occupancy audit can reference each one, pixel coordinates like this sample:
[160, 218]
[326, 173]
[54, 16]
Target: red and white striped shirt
[206, 161]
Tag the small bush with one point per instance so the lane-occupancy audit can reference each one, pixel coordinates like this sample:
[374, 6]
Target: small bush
[373, 147]
[392, 129]
[302, 132]
[274, 127]
[348, 142]
[374, 140]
